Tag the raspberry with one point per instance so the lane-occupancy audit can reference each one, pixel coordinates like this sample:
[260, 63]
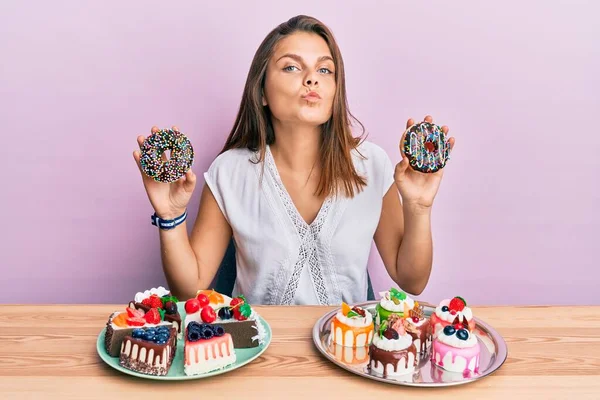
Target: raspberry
[155, 301]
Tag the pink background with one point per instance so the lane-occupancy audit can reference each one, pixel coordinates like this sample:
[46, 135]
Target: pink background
[517, 217]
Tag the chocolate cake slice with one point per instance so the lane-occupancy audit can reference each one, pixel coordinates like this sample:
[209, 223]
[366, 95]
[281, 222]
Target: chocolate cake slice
[115, 333]
[149, 350]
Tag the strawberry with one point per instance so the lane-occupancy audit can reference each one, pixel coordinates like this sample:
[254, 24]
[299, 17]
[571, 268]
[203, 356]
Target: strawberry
[155, 301]
[133, 313]
[147, 302]
[457, 304]
[136, 321]
[236, 302]
[152, 316]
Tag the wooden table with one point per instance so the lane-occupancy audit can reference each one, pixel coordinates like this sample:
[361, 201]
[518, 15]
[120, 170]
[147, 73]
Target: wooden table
[49, 352]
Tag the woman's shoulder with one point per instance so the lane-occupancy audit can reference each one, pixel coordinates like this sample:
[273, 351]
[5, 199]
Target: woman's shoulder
[233, 159]
[371, 154]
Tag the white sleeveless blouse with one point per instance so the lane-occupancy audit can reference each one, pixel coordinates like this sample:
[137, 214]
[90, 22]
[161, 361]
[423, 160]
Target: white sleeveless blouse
[280, 258]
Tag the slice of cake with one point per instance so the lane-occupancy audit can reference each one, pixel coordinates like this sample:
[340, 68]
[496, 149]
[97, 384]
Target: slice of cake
[149, 350]
[451, 312]
[235, 315]
[122, 324]
[392, 351]
[161, 299]
[392, 302]
[352, 327]
[456, 349]
[207, 348]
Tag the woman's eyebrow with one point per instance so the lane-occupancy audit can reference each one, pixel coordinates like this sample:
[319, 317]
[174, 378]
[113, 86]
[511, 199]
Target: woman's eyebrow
[301, 60]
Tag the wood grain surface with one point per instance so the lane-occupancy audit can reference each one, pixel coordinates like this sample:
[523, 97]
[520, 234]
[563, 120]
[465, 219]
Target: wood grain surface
[49, 352]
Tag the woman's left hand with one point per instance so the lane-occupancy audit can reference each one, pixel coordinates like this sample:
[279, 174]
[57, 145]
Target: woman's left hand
[418, 189]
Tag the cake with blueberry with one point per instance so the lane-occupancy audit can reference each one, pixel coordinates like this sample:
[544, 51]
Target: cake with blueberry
[393, 302]
[451, 312]
[207, 348]
[161, 299]
[235, 315]
[149, 350]
[392, 352]
[352, 327]
[419, 327]
[122, 324]
[456, 349]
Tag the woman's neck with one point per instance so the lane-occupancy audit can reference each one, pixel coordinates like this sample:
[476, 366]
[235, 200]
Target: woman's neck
[297, 147]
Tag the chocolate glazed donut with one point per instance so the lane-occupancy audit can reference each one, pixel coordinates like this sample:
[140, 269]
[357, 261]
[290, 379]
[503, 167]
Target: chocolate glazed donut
[426, 147]
[182, 155]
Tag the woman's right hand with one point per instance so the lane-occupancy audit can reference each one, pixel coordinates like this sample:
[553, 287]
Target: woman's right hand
[169, 200]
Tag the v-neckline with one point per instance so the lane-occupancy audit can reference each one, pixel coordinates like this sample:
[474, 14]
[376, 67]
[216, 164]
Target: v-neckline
[284, 192]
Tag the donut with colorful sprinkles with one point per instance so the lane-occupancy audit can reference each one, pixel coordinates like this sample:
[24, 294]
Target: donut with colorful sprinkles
[426, 147]
[180, 161]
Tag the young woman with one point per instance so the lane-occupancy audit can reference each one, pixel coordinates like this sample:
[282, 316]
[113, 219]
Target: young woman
[301, 196]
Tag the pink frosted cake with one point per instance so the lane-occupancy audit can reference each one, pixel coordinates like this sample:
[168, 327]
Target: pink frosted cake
[456, 349]
[392, 351]
[451, 312]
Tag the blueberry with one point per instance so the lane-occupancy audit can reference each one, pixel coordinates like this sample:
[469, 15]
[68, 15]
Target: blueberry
[449, 330]
[149, 336]
[137, 333]
[445, 308]
[225, 313]
[207, 333]
[163, 329]
[193, 336]
[162, 336]
[151, 330]
[462, 334]
[219, 331]
[161, 341]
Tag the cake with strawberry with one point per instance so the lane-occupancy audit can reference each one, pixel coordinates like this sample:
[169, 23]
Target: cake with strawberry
[392, 352]
[352, 327]
[419, 327]
[161, 299]
[451, 312]
[122, 324]
[456, 349]
[393, 302]
[207, 348]
[236, 317]
[149, 350]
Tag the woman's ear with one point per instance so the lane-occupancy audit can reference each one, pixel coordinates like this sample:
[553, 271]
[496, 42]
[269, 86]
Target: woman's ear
[264, 99]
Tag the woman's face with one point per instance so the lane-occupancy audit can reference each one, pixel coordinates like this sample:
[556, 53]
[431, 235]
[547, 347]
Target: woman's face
[300, 80]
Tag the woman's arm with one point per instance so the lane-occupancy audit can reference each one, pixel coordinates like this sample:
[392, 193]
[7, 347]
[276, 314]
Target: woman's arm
[191, 263]
[403, 239]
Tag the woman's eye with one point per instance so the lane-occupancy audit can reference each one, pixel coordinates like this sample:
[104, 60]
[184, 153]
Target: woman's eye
[290, 68]
[325, 71]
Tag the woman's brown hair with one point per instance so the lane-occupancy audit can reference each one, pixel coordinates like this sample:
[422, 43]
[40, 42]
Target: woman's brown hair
[253, 128]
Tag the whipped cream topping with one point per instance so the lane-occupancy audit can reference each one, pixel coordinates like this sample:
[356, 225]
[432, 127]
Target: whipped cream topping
[160, 291]
[454, 341]
[448, 317]
[383, 343]
[357, 322]
[387, 303]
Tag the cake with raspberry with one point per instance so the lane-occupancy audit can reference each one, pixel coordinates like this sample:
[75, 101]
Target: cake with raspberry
[456, 349]
[149, 350]
[235, 315]
[352, 327]
[207, 348]
[392, 352]
[161, 299]
[122, 324]
[419, 327]
[393, 302]
[451, 312]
